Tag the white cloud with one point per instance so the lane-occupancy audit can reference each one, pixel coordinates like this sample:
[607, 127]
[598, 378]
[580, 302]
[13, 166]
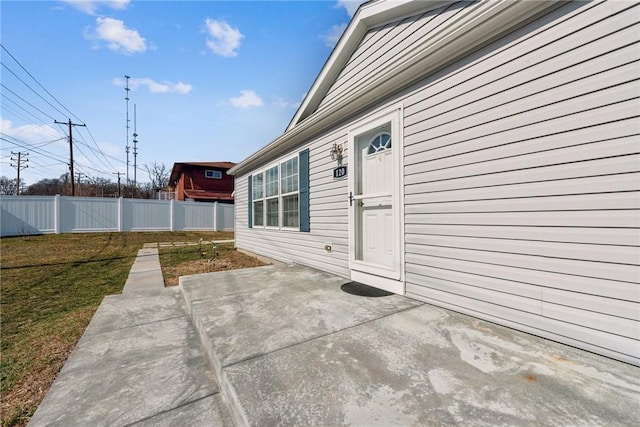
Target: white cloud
[247, 99]
[351, 6]
[332, 36]
[182, 88]
[118, 37]
[91, 6]
[110, 149]
[155, 87]
[224, 40]
[285, 103]
[32, 134]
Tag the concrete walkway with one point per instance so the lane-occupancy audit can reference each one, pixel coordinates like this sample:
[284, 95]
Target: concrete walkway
[145, 274]
[139, 362]
[289, 347]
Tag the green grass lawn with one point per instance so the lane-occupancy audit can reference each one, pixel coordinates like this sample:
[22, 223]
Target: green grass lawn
[51, 286]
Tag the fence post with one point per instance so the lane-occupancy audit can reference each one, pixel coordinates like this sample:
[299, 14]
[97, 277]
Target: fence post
[56, 214]
[120, 213]
[171, 216]
[215, 216]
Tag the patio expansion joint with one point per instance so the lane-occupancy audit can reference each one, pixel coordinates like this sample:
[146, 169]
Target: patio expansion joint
[141, 324]
[172, 409]
[320, 336]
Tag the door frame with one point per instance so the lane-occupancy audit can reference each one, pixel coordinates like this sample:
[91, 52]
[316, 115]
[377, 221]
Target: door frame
[359, 271]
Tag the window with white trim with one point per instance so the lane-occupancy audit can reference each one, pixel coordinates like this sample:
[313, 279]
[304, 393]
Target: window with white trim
[289, 189]
[380, 142]
[271, 193]
[275, 194]
[213, 174]
[258, 199]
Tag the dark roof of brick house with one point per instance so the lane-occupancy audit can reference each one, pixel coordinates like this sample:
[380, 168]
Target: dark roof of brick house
[207, 195]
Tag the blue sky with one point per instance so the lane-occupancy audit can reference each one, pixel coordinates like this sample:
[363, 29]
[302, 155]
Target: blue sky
[211, 80]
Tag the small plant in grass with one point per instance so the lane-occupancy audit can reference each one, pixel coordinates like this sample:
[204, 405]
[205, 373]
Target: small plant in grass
[204, 258]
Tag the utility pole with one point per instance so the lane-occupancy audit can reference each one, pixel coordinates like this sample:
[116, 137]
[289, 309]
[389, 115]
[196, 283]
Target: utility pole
[127, 125]
[71, 125]
[135, 148]
[118, 173]
[19, 166]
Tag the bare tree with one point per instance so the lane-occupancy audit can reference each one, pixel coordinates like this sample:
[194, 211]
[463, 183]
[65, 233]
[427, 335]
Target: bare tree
[7, 185]
[158, 175]
[100, 187]
[47, 187]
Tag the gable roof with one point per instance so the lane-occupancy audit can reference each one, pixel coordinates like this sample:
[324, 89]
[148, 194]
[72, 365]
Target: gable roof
[219, 165]
[369, 15]
[478, 24]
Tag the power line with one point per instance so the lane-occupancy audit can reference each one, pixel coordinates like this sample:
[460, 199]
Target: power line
[88, 166]
[25, 101]
[26, 145]
[38, 144]
[50, 155]
[33, 146]
[95, 152]
[5, 99]
[30, 88]
[47, 166]
[100, 156]
[99, 150]
[39, 84]
[5, 107]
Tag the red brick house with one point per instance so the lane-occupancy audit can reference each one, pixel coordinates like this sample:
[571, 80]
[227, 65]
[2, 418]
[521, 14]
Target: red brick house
[202, 182]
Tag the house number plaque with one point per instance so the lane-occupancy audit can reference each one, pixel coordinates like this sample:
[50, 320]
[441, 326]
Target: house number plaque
[340, 172]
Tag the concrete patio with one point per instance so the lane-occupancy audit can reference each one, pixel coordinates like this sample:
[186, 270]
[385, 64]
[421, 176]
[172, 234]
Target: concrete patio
[284, 345]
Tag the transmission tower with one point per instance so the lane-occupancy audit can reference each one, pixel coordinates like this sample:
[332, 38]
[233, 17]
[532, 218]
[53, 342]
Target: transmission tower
[127, 125]
[135, 147]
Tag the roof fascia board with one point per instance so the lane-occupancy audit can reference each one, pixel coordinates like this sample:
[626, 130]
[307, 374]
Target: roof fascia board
[481, 26]
[368, 16]
[468, 32]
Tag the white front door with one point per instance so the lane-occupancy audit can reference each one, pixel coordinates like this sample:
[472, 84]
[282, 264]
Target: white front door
[375, 257]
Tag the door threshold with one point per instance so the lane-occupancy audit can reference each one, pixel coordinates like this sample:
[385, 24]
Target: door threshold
[384, 283]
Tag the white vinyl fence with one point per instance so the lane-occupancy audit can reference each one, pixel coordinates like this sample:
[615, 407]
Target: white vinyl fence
[23, 215]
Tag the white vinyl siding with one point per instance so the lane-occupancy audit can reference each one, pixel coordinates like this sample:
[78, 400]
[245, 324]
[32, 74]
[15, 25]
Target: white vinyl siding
[328, 200]
[384, 44]
[521, 177]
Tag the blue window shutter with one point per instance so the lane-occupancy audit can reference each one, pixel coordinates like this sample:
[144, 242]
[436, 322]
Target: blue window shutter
[303, 171]
[250, 210]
